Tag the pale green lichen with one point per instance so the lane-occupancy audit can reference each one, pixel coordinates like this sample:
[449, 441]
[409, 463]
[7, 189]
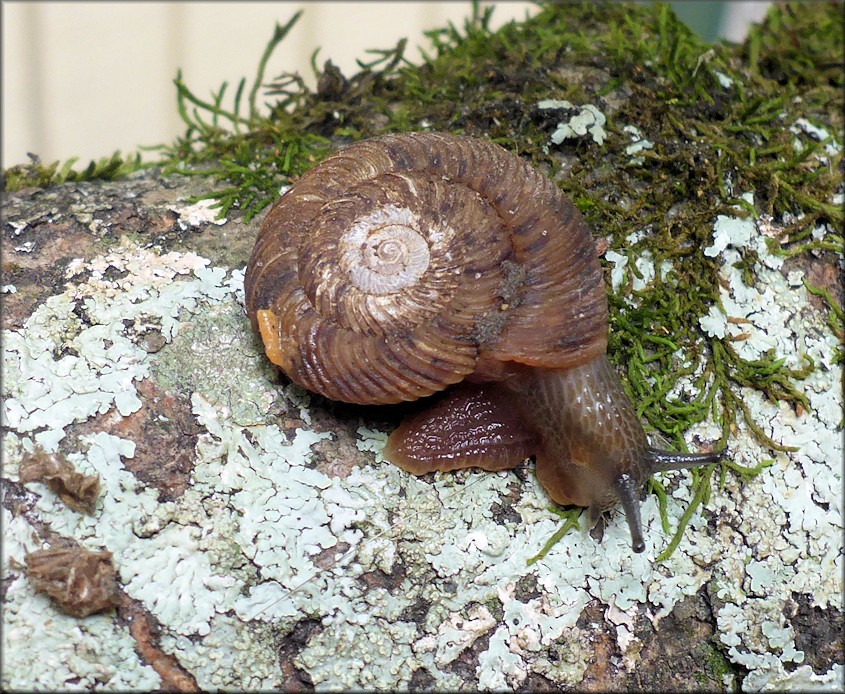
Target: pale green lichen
[234, 655]
[586, 119]
[804, 553]
[199, 213]
[638, 144]
[457, 633]
[376, 656]
[66, 653]
[261, 541]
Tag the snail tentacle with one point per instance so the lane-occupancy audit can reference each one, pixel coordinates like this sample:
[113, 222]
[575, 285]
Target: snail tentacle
[628, 492]
[663, 461]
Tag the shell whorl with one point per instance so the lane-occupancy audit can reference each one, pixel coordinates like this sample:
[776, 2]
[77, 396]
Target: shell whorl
[388, 271]
[384, 251]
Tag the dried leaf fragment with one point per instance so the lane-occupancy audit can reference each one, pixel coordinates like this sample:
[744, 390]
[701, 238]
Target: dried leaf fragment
[76, 490]
[81, 582]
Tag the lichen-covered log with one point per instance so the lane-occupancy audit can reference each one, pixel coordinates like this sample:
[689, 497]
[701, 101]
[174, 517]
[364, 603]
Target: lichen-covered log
[260, 541]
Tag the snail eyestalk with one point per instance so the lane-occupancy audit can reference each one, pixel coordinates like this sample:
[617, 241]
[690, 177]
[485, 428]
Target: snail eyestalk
[628, 490]
[662, 461]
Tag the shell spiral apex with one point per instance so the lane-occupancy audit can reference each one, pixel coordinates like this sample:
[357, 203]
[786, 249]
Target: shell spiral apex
[401, 264]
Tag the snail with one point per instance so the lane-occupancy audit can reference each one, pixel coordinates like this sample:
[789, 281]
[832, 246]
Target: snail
[411, 265]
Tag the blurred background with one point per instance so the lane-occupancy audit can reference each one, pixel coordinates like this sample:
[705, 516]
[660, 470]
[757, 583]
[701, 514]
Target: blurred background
[86, 78]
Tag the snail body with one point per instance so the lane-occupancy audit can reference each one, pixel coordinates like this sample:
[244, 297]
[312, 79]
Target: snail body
[407, 264]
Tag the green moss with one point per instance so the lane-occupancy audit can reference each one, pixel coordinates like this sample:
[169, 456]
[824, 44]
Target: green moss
[835, 318]
[38, 174]
[642, 67]
[570, 517]
[716, 667]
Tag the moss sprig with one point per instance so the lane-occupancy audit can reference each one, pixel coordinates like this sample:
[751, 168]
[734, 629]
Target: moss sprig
[40, 175]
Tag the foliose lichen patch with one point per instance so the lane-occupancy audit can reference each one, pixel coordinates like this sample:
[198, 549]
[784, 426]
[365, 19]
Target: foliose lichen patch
[260, 541]
[397, 574]
[44, 647]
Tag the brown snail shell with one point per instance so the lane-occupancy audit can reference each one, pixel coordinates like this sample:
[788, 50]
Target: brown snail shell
[405, 264]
